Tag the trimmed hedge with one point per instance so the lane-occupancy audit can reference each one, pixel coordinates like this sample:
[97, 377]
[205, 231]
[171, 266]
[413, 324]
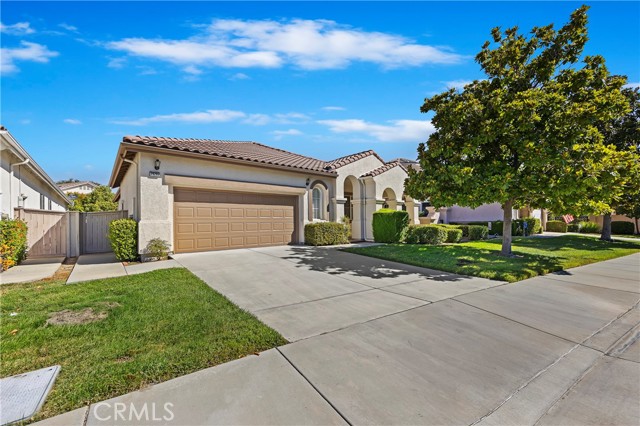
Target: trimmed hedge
[13, 242]
[589, 228]
[426, 234]
[326, 233]
[390, 226]
[478, 232]
[621, 227]
[123, 235]
[454, 234]
[573, 227]
[534, 226]
[556, 226]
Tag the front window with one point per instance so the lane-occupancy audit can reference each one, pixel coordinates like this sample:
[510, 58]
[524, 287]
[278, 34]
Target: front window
[316, 195]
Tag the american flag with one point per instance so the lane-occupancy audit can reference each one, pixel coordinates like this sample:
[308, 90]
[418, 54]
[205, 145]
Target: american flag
[567, 218]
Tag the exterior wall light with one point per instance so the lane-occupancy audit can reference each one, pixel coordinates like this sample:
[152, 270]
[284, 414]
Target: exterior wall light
[157, 164]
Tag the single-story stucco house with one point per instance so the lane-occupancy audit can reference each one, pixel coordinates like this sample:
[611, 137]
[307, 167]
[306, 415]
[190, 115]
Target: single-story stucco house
[80, 187]
[24, 184]
[201, 195]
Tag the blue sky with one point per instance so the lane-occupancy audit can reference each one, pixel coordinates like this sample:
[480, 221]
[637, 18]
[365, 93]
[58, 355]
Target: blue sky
[322, 79]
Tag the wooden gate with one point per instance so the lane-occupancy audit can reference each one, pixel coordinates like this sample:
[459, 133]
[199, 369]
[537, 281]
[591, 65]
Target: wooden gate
[46, 232]
[94, 227]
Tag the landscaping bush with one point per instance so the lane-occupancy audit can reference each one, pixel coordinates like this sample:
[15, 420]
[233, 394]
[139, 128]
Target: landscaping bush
[326, 233]
[157, 249]
[478, 232]
[534, 226]
[454, 233]
[556, 226]
[497, 227]
[621, 227]
[390, 226]
[589, 228]
[426, 234]
[573, 227]
[464, 229]
[123, 235]
[13, 242]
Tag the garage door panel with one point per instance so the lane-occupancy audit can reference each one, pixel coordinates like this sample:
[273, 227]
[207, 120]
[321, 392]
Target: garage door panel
[206, 220]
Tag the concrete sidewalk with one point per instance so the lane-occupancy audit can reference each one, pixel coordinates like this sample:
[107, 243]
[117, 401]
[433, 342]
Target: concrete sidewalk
[105, 265]
[541, 351]
[32, 270]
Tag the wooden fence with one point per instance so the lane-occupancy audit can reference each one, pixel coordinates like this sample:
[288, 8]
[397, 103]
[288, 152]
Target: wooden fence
[47, 233]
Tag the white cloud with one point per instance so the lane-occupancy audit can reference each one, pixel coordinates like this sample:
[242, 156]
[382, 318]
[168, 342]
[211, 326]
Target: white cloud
[19, 28]
[291, 117]
[457, 84]
[239, 76]
[279, 134]
[25, 121]
[201, 117]
[394, 131]
[257, 119]
[73, 121]
[116, 63]
[306, 44]
[144, 70]
[631, 85]
[27, 52]
[68, 27]
[334, 108]
[190, 69]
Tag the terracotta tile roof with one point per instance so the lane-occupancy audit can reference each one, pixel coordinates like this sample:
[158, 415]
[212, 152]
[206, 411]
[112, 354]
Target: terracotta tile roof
[385, 167]
[348, 159]
[239, 150]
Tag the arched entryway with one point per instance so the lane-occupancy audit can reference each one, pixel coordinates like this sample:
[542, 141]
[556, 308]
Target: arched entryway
[390, 200]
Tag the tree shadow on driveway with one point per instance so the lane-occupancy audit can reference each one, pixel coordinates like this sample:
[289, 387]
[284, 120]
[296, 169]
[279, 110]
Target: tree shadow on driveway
[334, 261]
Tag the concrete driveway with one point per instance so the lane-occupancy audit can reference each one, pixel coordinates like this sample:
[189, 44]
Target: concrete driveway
[374, 342]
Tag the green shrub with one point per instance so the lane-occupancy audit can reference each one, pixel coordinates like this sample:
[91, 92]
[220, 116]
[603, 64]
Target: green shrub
[157, 248]
[534, 226]
[426, 234]
[556, 226]
[478, 232]
[326, 233]
[454, 233]
[464, 229]
[497, 227]
[123, 235]
[621, 227]
[589, 228]
[390, 226]
[573, 227]
[13, 242]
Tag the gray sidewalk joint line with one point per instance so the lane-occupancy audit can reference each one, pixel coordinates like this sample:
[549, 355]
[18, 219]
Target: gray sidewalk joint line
[315, 388]
[590, 285]
[584, 373]
[314, 300]
[86, 415]
[365, 322]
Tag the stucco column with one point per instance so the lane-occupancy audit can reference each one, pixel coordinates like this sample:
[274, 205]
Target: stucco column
[338, 207]
[414, 212]
[356, 220]
[543, 219]
[372, 205]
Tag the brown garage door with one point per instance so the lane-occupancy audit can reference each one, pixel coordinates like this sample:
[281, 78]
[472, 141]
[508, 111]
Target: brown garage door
[208, 220]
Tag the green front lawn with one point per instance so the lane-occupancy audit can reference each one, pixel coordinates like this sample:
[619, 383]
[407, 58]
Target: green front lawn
[535, 255]
[160, 325]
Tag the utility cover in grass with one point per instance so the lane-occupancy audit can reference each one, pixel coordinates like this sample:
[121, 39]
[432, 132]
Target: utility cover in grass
[22, 395]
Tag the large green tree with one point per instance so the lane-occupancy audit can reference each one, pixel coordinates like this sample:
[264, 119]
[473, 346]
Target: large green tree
[624, 134]
[525, 135]
[98, 200]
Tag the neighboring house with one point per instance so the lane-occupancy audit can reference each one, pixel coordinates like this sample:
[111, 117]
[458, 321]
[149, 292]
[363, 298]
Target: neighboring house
[201, 195]
[84, 187]
[24, 184]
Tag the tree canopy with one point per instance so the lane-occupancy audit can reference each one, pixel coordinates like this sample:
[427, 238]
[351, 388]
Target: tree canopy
[98, 200]
[528, 133]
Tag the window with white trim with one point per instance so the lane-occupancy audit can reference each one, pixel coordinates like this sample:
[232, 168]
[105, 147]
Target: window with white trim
[316, 198]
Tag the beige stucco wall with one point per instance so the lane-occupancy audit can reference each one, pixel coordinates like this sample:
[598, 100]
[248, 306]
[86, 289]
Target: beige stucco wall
[156, 196]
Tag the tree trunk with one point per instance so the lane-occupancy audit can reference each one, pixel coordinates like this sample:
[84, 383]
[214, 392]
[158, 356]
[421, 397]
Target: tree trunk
[606, 228]
[637, 227]
[506, 228]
